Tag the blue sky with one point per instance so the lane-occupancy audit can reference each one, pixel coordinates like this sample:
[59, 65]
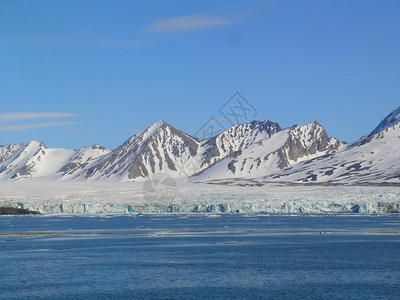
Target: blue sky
[78, 73]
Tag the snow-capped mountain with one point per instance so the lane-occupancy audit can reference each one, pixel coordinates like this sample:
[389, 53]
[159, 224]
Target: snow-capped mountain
[82, 159]
[260, 151]
[160, 148]
[7, 151]
[391, 120]
[163, 148]
[373, 159]
[234, 139]
[273, 153]
[34, 160]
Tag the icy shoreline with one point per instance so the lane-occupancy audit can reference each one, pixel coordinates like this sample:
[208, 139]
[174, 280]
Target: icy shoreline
[286, 208]
[83, 198]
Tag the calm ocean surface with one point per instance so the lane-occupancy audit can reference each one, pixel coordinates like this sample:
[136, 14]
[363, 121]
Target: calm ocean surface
[195, 257]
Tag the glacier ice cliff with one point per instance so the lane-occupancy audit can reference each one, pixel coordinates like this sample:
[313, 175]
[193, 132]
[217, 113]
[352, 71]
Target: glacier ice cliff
[210, 199]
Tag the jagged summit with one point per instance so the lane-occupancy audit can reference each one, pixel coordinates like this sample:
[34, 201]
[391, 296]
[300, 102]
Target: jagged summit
[266, 122]
[159, 148]
[157, 125]
[270, 152]
[95, 147]
[391, 120]
[35, 144]
[247, 133]
[153, 129]
[236, 138]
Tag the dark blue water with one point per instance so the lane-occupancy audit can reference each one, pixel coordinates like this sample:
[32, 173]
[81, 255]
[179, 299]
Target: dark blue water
[231, 257]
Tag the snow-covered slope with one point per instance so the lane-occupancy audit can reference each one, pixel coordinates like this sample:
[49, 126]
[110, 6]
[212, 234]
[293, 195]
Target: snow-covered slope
[373, 159]
[33, 160]
[391, 120]
[160, 148]
[273, 153]
[163, 148]
[7, 151]
[234, 139]
[82, 159]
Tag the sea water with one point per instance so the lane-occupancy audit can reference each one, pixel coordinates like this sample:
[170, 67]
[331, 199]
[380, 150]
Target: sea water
[200, 257]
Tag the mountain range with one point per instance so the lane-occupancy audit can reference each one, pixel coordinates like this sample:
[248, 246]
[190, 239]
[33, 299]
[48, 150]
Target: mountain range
[253, 153]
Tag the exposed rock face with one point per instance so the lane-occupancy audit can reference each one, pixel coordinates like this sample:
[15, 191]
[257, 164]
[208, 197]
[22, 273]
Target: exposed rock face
[372, 159]
[306, 141]
[274, 152]
[7, 151]
[391, 120]
[83, 158]
[35, 160]
[236, 138]
[21, 160]
[160, 148]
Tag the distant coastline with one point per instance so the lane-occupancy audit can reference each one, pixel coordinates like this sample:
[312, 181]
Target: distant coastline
[17, 211]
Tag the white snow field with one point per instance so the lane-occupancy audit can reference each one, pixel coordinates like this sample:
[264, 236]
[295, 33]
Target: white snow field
[129, 198]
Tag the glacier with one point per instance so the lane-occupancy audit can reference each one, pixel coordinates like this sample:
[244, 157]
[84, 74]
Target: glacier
[128, 198]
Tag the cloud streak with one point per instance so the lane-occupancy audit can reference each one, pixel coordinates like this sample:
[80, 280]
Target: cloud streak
[37, 125]
[20, 116]
[18, 121]
[188, 23]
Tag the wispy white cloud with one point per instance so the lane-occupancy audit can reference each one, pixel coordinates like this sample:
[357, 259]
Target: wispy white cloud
[189, 23]
[17, 121]
[37, 125]
[20, 116]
